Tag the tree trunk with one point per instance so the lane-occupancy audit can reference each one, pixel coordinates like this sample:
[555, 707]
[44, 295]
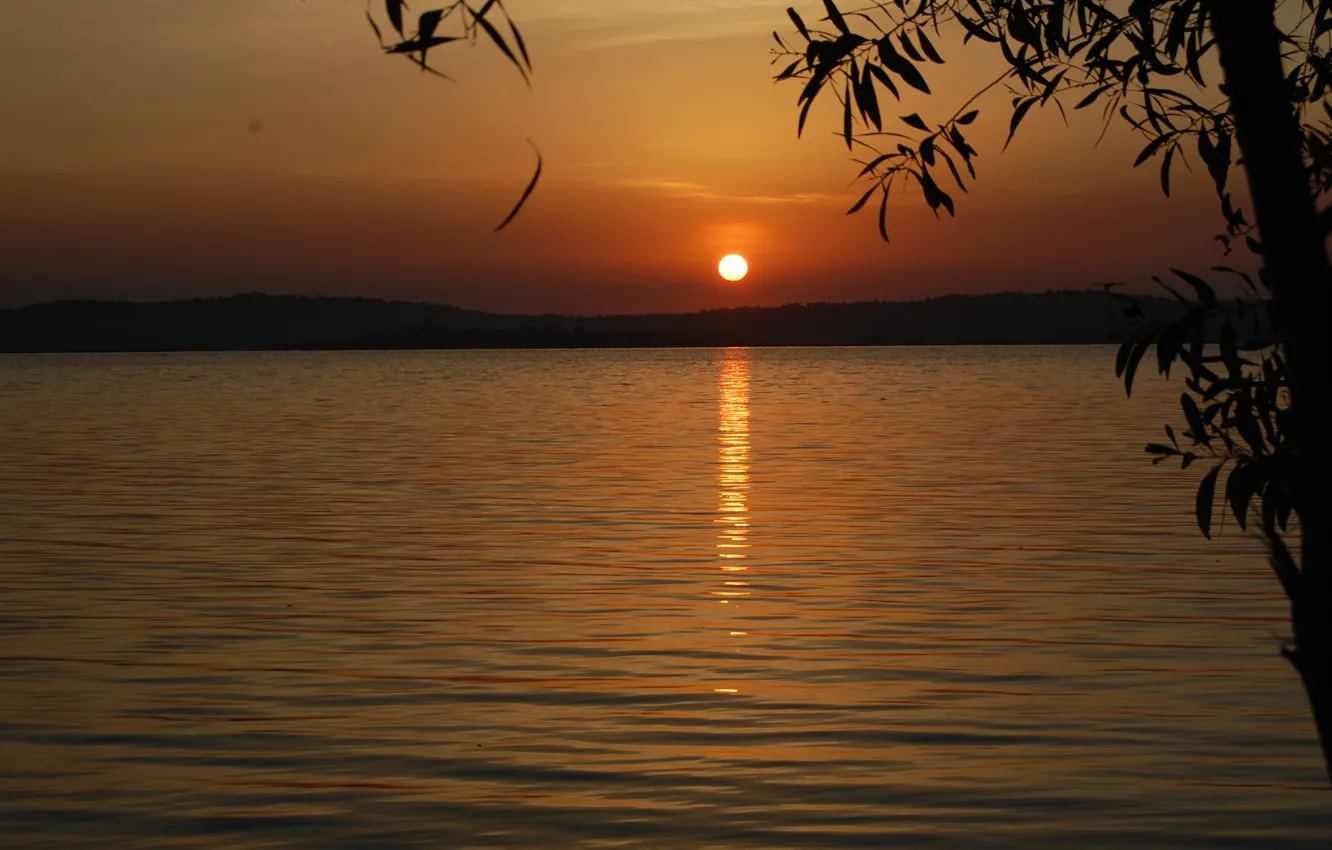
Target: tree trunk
[1294, 254]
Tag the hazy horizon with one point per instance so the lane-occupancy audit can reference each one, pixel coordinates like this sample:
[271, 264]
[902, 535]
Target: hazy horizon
[240, 293]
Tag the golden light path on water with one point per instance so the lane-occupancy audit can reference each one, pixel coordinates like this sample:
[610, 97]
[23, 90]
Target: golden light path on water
[733, 479]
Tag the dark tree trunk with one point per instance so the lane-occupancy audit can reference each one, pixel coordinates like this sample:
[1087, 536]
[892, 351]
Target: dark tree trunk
[1300, 276]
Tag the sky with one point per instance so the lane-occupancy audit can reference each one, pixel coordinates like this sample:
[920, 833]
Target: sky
[177, 148]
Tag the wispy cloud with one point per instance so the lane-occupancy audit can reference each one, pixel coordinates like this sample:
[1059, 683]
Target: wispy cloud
[704, 192]
[595, 24]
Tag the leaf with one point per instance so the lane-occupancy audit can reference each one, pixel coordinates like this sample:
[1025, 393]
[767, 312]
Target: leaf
[909, 48]
[875, 163]
[1206, 294]
[901, 66]
[1148, 152]
[1229, 345]
[1165, 171]
[799, 24]
[868, 100]
[863, 198]
[1051, 87]
[1131, 363]
[1247, 425]
[929, 48]
[394, 9]
[814, 85]
[846, 117]
[427, 23]
[1206, 498]
[1091, 98]
[1193, 416]
[927, 150]
[804, 113]
[836, 17]
[1244, 481]
[882, 77]
[975, 30]
[417, 45]
[914, 120]
[968, 117]
[500, 43]
[518, 40]
[526, 192]
[883, 217]
[948, 160]
[1219, 165]
[1122, 355]
[1018, 114]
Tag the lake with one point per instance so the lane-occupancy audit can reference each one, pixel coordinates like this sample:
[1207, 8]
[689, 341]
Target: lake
[690, 598]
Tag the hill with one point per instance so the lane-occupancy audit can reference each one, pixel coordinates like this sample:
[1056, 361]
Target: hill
[268, 322]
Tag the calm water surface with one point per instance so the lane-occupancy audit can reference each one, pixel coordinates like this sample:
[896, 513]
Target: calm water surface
[772, 598]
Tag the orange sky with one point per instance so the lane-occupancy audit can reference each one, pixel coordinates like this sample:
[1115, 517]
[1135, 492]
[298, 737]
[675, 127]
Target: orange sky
[130, 168]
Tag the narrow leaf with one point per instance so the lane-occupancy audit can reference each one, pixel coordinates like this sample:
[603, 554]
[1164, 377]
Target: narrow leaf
[909, 48]
[901, 66]
[1206, 294]
[1206, 498]
[1018, 115]
[518, 40]
[804, 113]
[427, 23]
[887, 81]
[1152, 147]
[1131, 364]
[836, 17]
[799, 24]
[846, 117]
[914, 120]
[863, 198]
[500, 43]
[394, 9]
[929, 48]
[883, 216]
[526, 192]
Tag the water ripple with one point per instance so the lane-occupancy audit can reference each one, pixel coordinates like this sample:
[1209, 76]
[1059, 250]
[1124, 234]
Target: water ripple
[771, 598]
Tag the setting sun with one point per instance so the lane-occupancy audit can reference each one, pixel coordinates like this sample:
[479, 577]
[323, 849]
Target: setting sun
[733, 267]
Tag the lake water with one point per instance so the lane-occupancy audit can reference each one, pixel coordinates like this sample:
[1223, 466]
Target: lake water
[767, 598]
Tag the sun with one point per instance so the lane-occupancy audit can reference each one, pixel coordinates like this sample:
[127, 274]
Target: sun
[733, 267]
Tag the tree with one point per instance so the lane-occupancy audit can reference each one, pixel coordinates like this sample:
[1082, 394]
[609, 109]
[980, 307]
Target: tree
[416, 45]
[1251, 405]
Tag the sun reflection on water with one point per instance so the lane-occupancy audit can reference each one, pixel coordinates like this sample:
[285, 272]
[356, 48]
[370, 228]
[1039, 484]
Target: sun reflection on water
[733, 476]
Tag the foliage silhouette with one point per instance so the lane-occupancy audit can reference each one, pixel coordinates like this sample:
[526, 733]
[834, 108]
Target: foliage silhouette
[1249, 407]
[416, 46]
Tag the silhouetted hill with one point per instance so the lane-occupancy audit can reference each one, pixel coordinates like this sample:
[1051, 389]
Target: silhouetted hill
[249, 322]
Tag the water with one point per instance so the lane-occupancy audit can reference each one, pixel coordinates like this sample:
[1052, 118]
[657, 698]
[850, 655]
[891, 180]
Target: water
[772, 598]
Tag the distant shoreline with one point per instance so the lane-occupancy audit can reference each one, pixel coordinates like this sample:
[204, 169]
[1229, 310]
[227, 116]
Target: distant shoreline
[259, 322]
[681, 346]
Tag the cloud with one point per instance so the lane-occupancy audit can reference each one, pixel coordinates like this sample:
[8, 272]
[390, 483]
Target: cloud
[703, 192]
[598, 24]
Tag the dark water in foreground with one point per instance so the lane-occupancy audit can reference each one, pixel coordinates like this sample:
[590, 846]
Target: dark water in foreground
[779, 598]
